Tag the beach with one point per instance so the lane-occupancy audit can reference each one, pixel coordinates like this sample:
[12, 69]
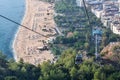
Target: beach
[31, 40]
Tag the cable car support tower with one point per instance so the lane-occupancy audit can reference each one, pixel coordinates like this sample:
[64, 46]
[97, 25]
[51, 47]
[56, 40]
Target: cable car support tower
[96, 32]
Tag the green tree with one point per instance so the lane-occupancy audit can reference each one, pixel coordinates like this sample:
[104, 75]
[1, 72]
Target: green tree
[11, 78]
[73, 73]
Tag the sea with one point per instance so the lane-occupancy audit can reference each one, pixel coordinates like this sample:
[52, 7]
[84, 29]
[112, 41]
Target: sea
[13, 9]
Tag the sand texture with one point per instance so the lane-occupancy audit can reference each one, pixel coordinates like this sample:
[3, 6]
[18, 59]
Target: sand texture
[29, 42]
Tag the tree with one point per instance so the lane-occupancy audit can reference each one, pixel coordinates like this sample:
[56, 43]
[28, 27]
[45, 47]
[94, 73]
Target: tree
[73, 73]
[2, 56]
[10, 78]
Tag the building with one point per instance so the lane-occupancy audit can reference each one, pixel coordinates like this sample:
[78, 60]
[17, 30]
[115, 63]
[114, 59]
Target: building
[115, 25]
[108, 11]
[97, 11]
[80, 3]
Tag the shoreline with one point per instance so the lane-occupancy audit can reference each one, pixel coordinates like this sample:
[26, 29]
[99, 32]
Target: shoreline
[26, 42]
[15, 36]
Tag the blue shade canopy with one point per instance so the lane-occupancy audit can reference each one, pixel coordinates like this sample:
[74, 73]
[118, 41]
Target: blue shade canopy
[97, 31]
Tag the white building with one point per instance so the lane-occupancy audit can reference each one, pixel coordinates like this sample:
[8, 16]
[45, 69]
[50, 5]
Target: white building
[80, 3]
[97, 12]
[115, 25]
[119, 6]
[115, 28]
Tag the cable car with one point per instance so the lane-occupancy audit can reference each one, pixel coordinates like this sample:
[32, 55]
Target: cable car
[78, 59]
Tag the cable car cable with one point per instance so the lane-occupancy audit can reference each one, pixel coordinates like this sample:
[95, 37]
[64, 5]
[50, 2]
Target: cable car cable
[86, 12]
[21, 25]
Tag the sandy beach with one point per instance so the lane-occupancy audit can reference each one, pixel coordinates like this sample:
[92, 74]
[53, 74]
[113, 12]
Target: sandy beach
[30, 43]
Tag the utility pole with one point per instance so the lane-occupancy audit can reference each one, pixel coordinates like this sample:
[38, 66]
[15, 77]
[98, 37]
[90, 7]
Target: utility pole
[96, 46]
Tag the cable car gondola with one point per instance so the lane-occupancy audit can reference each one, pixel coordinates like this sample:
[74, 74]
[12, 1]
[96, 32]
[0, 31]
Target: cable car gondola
[78, 59]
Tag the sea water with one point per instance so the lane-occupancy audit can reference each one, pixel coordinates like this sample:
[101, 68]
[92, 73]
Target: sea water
[13, 9]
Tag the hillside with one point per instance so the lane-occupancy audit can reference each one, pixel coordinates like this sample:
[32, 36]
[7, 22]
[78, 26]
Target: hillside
[112, 52]
[77, 39]
[64, 69]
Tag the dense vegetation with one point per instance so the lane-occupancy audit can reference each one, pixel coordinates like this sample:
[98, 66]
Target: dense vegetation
[63, 69]
[77, 31]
